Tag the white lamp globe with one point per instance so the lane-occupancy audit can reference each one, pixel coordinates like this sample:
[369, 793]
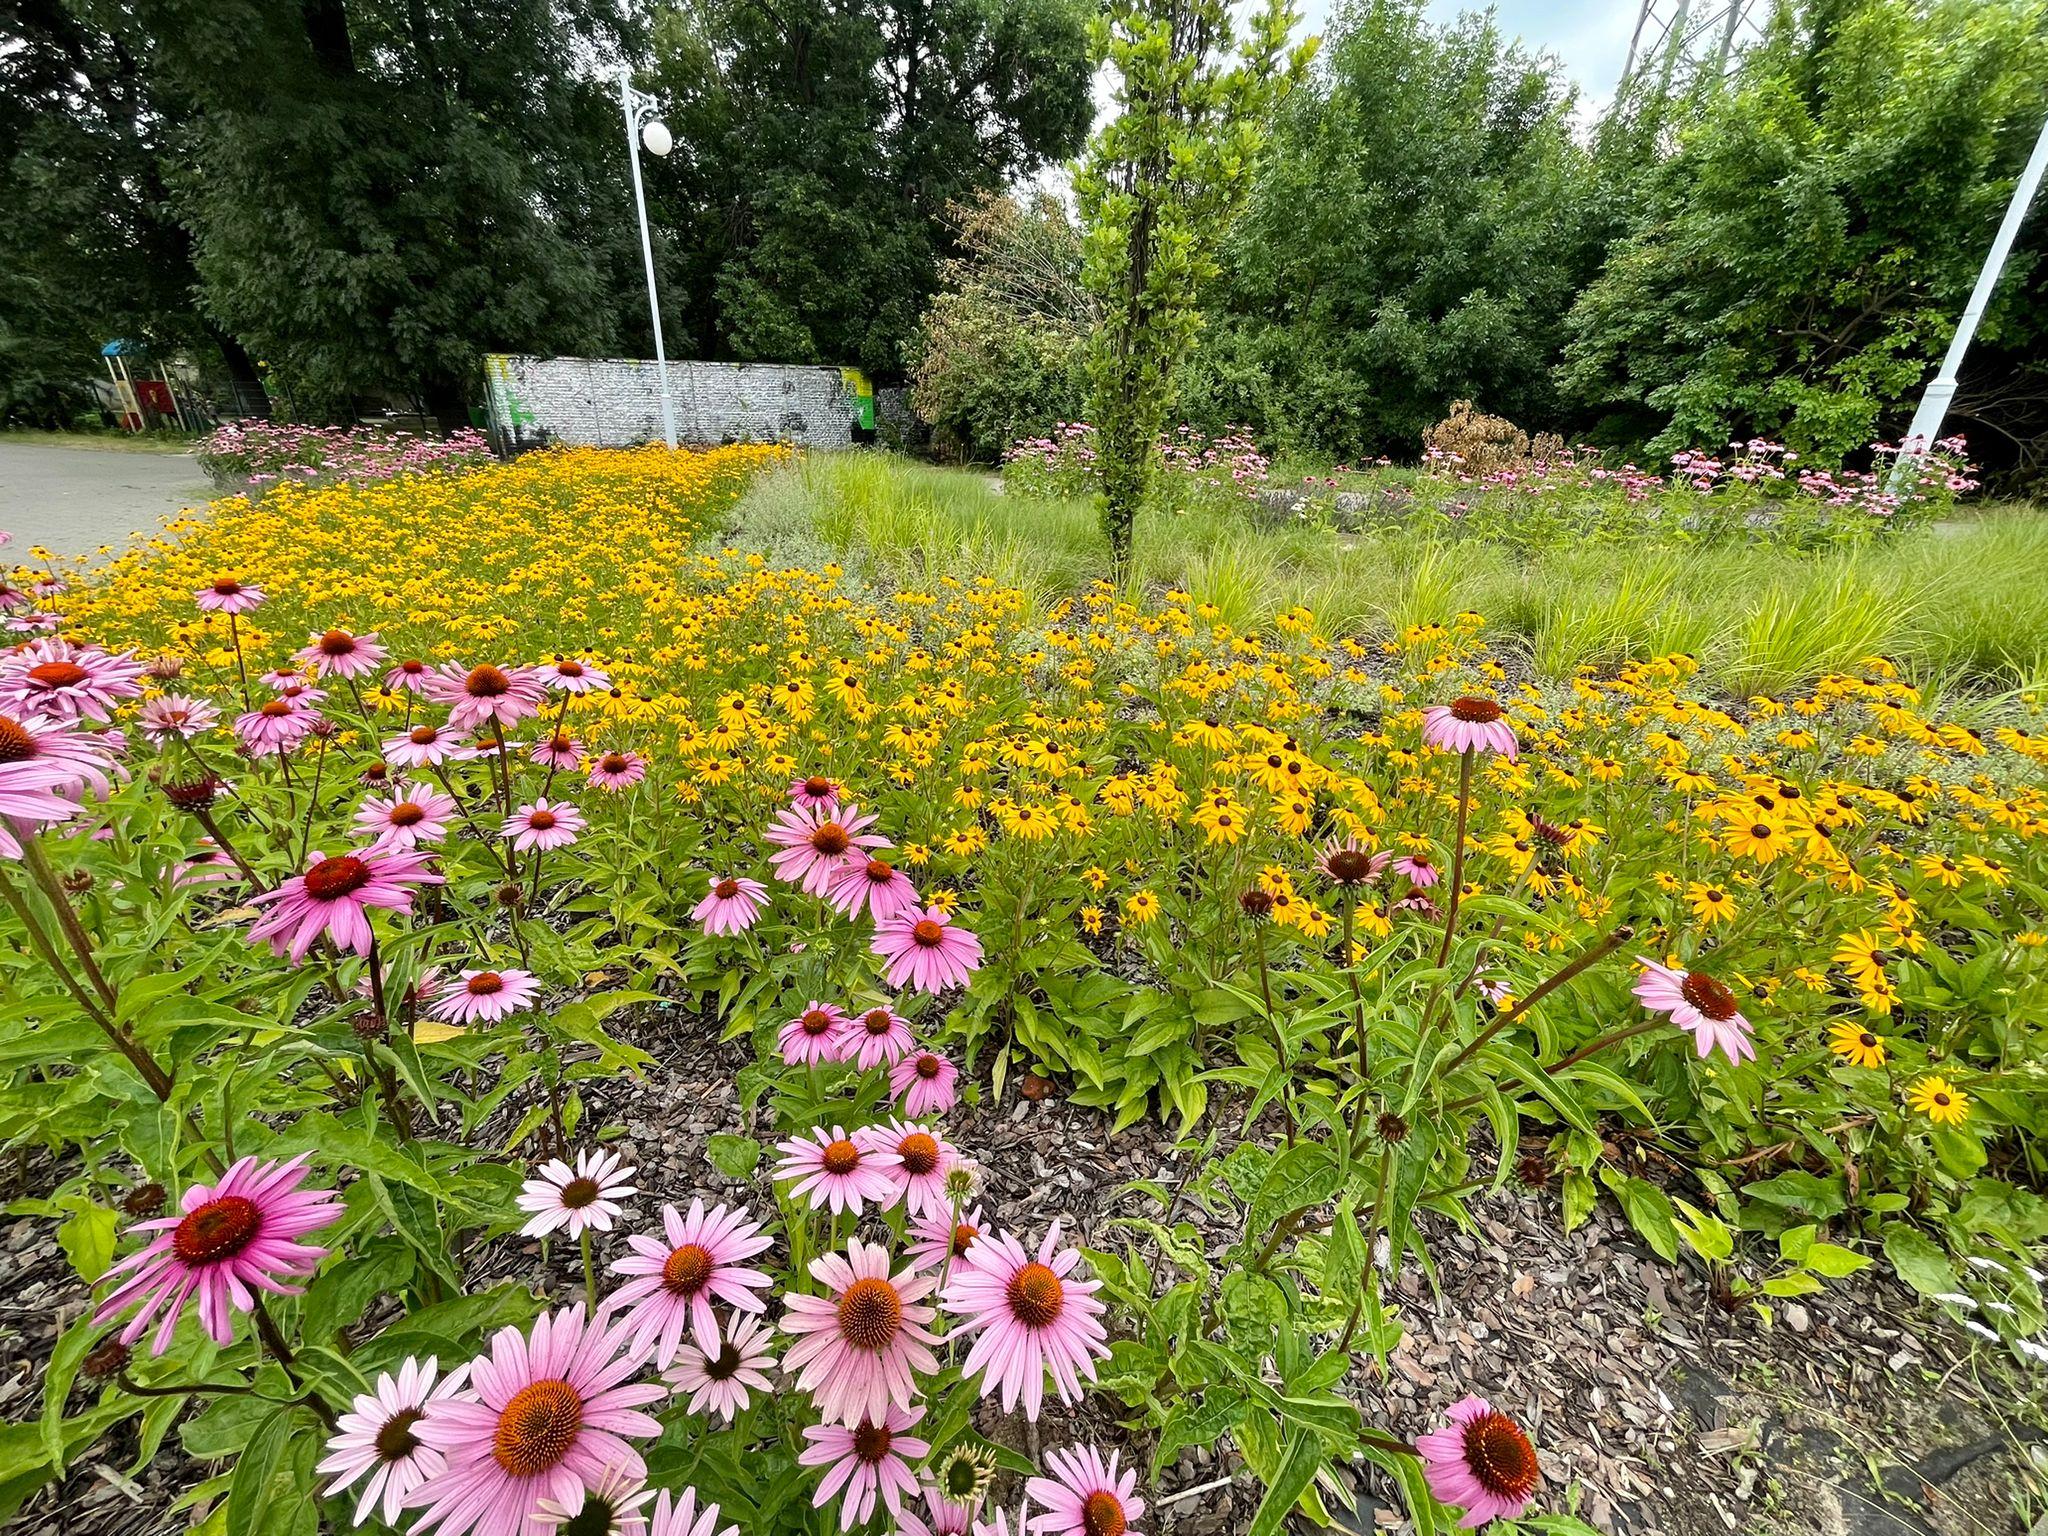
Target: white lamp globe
[657, 138]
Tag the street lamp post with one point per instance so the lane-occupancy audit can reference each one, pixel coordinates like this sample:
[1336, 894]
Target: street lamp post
[639, 108]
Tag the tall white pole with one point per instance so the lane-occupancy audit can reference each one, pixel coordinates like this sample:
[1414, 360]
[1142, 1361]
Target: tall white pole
[668, 409]
[1926, 428]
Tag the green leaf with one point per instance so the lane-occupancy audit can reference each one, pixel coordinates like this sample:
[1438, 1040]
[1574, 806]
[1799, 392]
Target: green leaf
[1579, 1194]
[249, 1495]
[87, 1238]
[1707, 1235]
[62, 1370]
[1917, 1261]
[1834, 1262]
[734, 1156]
[1648, 1211]
[1304, 1460]
[1798, 1283]
[1303, 1176]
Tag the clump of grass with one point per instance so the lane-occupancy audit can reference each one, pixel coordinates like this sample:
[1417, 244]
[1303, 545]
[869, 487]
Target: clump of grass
[1960, 605]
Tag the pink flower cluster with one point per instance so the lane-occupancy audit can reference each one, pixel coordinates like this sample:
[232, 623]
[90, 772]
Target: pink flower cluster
[263, 452]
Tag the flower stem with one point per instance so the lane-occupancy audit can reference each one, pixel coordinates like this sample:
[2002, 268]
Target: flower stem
[1443, 954]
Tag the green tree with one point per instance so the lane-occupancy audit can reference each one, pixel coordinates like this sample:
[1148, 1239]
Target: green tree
[820, 144]
[376, 190]
[1160, 185]
[1420, 225]
[999, 354]
[1800, 259]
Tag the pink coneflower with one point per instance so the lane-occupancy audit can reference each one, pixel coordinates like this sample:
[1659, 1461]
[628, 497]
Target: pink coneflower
[474, 695]
[941, 1518]
[1350, 862]
[1420, 869]
[337, 653]
[924, 1082]
[815, 844]
[923, 1159]
[1083, 1497]
[175, 717]
[732, 905]
[229, 1240]
[1033, 1316]
[683, 1517]
[426, 746]
[557, 752]
[1481, 1462]
[874, 886]
[407, 816]
[575, 1199]
[878, 1038]
[548, 1419]
[290, 683]
[208, 865]
[815, 793]
[866, 1461]
[334, 897]
[921, 949]
[409, 676]
[676, 1281]
[376, 1437]
[274, 727]
[835, 1169]
[938, 1238]
[719, 1381]
[1696, 1001]
[484, 995]
[53, 678]
[816, 1035]
[1468, 724]
[611, 1508]
[615, 771]
[34, 623]
[228, 595]
[858, 1351]
[41, 753]
[565, 674]
[545, 824]
[29, 798]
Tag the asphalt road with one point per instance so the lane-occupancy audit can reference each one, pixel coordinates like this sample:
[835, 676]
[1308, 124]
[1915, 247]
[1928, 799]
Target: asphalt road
[73, 501]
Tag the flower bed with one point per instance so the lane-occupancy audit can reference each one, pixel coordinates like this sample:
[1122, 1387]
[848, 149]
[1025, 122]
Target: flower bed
[341, 828]
[258, 454]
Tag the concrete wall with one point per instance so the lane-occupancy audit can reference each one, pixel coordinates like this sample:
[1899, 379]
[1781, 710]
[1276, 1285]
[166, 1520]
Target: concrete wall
[613, 402]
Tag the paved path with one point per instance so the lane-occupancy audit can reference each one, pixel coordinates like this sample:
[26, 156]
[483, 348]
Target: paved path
[74, 500]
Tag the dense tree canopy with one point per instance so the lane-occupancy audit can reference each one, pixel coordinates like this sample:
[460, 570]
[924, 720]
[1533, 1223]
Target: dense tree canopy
[820, 143]
[1420, 226]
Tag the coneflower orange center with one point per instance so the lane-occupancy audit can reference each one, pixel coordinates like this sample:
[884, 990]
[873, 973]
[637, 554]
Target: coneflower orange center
[274, 709]
[485, 984]
[613, 762]
[486, 682]
[963, 1238]
[726, 1366]
[725, 890]
[841, 1157]
[396, 1441]
[1474, 711]
[217, 1230]
[1036, 1296]
[1501, 1457]
[337, 642]
[541, 821]
[578, 1193]
[331, 879]
[537, 1428]
[928, 933]
[880, 871]
[424, 735]
[16, 745]
[831, 838]
[569, 669]
[928, 1066]
[816, 786]
[920, 1153]
[869, 1314]
[871, 1441]
[1102, 1514]
[1708, 995]
[876, 1021]
[817, 1022]
[227, 586]
[686, 1270]
[407, 813]
[59, 674]
[1349, 866]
